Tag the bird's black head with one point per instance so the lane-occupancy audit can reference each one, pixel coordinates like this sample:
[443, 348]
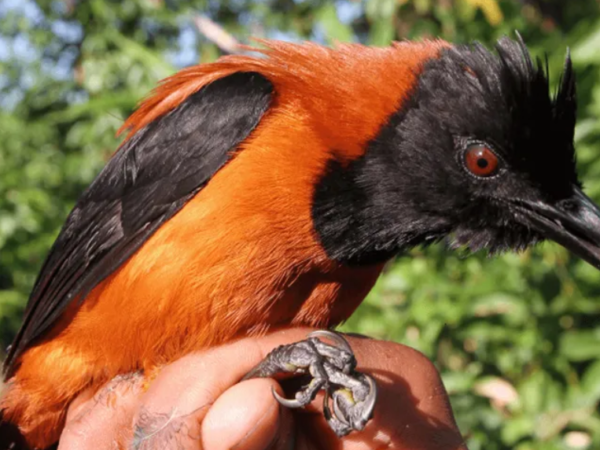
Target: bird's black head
[480, 152]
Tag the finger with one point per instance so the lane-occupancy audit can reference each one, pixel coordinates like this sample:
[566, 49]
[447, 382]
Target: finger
[412, 410]
[247, 417]
[102, 419]
[180, 396]
[172, 410]
[412, 394]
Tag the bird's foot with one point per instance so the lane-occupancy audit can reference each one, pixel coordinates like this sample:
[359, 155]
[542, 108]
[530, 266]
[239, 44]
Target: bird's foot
[349, 395]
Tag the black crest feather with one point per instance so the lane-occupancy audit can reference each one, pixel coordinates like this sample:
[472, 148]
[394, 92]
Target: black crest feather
[539, 140]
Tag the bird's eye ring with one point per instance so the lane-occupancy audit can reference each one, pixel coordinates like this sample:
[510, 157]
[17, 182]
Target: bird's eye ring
[480, 160]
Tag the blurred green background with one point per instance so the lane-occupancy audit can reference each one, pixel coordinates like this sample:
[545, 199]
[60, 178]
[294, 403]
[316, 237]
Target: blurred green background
[516, 338]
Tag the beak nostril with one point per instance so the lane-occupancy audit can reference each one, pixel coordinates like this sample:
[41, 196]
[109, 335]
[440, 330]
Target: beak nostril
[568, 205]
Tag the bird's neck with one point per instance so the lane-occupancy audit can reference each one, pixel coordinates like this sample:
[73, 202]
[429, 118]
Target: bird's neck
[363, 217]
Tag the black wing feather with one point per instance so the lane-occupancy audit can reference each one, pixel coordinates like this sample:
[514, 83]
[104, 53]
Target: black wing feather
[146, 182]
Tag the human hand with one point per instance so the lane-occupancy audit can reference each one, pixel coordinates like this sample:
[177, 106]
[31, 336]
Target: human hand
[198, 402]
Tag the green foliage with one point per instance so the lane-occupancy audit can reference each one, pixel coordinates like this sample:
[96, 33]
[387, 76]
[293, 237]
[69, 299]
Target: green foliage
[516, 338]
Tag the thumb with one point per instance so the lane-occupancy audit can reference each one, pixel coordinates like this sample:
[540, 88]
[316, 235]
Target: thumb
[247, 417]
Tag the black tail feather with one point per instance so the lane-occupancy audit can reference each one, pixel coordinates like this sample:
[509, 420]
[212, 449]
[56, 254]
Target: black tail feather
[10, 437]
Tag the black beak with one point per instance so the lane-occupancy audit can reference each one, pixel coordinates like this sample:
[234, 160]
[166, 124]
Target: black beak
[575, 225]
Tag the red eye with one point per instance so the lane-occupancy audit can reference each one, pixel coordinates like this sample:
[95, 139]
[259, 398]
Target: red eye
[481, 161]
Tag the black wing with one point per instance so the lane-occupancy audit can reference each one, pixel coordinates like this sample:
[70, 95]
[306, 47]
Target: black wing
[147, 181]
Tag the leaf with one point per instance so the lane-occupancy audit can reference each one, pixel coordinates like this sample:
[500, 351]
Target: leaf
[334, 29]
[517, 428]
[580, 345]
[382, 32]
[586, 51]
[590, 383]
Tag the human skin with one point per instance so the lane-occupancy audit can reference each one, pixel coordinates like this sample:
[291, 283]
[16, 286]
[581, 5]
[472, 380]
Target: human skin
[198, 402]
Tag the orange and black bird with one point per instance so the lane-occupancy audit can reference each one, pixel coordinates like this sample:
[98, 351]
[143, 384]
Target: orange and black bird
[262, 192]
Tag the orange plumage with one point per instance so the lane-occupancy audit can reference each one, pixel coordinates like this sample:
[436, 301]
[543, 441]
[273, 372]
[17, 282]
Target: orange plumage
[241, 256]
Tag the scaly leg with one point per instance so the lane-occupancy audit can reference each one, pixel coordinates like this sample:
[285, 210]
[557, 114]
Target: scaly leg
[332, 369]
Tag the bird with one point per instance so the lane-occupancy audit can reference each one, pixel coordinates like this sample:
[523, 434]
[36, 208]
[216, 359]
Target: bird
[269, 190]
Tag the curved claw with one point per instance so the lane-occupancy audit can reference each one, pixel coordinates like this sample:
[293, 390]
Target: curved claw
[369, 402]
[326, 410]
[288, 403]
[339, 415]
[335, 337]
[365, 408]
